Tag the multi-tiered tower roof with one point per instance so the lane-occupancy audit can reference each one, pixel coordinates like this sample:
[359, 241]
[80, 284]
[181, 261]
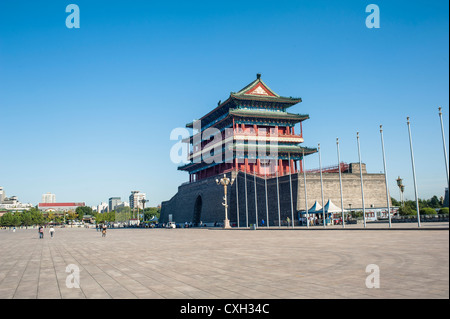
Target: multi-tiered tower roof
[251, 132]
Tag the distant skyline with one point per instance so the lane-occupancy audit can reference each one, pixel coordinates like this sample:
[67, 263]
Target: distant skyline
[86, 114]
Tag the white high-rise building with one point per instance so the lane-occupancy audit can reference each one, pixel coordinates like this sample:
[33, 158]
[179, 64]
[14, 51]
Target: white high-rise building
[2, 194]
[136, 198]
[48, 198]
[102, 208]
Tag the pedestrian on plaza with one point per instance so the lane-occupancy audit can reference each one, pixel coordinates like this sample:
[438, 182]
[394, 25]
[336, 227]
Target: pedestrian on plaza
[51, 231]
[41, 232]
[104, 231]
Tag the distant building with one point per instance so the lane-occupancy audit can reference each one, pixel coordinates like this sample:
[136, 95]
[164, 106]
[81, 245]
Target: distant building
[123, 204]
[59, 207]
[2, 194]
[102, 208]
[136, 198]
[113, 202]
[48, 198]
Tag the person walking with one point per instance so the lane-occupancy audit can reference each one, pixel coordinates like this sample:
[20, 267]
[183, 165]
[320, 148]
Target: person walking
[51, 231]
[104, 231]
[41, 232]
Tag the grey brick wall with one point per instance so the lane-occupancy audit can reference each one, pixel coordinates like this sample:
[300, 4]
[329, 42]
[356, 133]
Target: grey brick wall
[374, 190]
[181, 206]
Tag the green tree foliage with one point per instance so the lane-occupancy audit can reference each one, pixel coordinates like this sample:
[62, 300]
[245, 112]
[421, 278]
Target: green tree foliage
[395, 202]
[7, 219]
[122, 214]
[27, 218]
[427, 211]
[443, 210]
[36, 216]
[83, 210]
[407, 211]
[150, 212]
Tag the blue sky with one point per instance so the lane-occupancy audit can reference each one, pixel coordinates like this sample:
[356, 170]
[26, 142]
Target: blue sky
[87, 113]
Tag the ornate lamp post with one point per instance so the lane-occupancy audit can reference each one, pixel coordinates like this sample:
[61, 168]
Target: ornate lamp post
[402, 189]
[143, 201]
[225, 181]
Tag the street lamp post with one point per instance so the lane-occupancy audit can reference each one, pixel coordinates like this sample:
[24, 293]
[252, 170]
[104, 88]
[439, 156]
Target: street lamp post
[143, 201]
[225, 181]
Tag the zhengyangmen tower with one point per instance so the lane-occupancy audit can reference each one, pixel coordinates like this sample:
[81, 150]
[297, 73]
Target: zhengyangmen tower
[251, 138]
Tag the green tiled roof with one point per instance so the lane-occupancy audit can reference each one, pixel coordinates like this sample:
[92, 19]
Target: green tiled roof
[268, 114]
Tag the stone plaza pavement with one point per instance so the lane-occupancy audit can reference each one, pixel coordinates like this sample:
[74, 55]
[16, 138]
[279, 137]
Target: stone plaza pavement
[227, 264]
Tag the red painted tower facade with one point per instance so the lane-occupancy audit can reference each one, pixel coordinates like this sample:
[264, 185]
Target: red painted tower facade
[250, 132]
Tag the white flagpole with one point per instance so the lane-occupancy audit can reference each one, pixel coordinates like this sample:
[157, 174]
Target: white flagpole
[290, 184]
[414, 172]
[278, 199]
[445, 148]
[340, 183]
[267, 202]
[306, 195]
[256, 202]
[246, 200]
[237, 195]
[385, 177]
[361, 178]
[321, 188]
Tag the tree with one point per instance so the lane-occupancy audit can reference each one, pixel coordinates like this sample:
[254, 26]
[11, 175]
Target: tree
[50, 217]
[71, 215]
[395, 202]
[16, 219]
[36, 216]
[427, 211]
[7, 219]
[27, 219]
[122, 214]
[406, 211]
[83, 210]
[434, 202]
[150, 212]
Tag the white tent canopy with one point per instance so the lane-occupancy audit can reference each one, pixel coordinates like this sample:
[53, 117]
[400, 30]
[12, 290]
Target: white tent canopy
[315, 208]
[330, 208]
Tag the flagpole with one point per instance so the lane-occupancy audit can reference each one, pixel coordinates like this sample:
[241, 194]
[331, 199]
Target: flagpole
[256, 202]
[445, 148]
[290, 184]
[414, 171]
[321, 188]
[361, 178]
[267, 202]
[278, 199]
[246, 200]
[385, 177]
[237, 195]
[306, 195]
[340, 184]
